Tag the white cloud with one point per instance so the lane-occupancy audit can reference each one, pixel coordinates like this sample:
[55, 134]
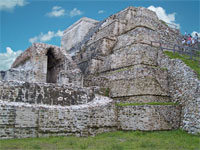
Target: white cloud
[46, 37]
[33, 40]
[56, 11]
[75, 12]
[101, 11]
[8, 58]
[59, 33]
[194, 32]
[162, 15]
[11, 4]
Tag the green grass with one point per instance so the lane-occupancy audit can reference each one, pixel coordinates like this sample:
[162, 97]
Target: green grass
[150, 103]
[195, 65]
[120, 140]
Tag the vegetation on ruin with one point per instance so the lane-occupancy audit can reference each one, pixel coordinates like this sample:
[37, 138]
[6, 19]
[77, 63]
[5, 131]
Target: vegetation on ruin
[120, 140]
[150, 103]
[195, 65]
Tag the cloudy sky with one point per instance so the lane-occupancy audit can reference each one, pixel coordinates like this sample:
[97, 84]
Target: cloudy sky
[23, 22]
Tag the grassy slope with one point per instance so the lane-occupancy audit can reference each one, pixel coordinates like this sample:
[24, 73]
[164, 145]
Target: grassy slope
[191, 63]
[120, 140]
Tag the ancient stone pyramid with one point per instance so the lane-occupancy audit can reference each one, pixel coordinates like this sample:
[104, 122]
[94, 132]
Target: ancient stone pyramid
[108, 75]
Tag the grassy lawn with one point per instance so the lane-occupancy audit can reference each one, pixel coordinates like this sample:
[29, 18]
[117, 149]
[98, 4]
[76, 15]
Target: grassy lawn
[120, 140]
[195, 65]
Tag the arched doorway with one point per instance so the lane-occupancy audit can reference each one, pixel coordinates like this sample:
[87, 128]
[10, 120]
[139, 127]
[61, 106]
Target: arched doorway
[52, 67]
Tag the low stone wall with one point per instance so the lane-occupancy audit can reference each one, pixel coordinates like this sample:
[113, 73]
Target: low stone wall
[149, 117]
[184, 87]
[21, 120]
[43, 93]
[17, 75]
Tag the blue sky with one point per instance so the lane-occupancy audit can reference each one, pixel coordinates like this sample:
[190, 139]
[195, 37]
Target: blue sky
[26, 21]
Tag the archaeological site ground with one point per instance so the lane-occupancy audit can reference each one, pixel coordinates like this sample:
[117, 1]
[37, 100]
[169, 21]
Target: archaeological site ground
[109, 75]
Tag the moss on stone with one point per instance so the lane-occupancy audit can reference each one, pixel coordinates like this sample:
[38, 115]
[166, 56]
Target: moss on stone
[164, 69]
[107, 92]
[193, 64]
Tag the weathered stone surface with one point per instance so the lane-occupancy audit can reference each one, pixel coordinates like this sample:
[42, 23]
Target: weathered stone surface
[169, 35]
[137, 35]
[38, 93]
[35, 120]
[126, 20]
[44, 63]
[142, 99]
[102, 47]
[148, 117]
[115, 54]
[137, 86]
[136, 80]
[128, 56]
[113, 29]
[184, 87]
[76, 32]
[26, 117]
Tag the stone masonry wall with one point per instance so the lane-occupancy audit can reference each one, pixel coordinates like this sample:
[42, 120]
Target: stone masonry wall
[43, 93]
[21, 120]
[184, 87]
[45, 63]
[126, 64]
[17, 75]
[149, 117]
[168, 35]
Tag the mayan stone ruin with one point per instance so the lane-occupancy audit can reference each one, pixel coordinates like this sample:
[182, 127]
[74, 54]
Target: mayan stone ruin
[87, 85]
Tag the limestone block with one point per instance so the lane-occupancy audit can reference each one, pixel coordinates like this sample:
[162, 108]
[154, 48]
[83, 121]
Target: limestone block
[137, 71]
[137, 35]
[92, 80]
[41, 93]
[102, 116]
[149, 117]
[76, 32]
[61, 120]
[114, 28]
[6, 131]
[130, 13]
[133, 55]
[94, 66]
[142, 99]
[25, 132]
[101, 47]
[26, 117]
[7, 115]
[137, 86]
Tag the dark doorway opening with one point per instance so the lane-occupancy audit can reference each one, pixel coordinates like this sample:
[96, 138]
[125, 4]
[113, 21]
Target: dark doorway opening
[52, 69]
